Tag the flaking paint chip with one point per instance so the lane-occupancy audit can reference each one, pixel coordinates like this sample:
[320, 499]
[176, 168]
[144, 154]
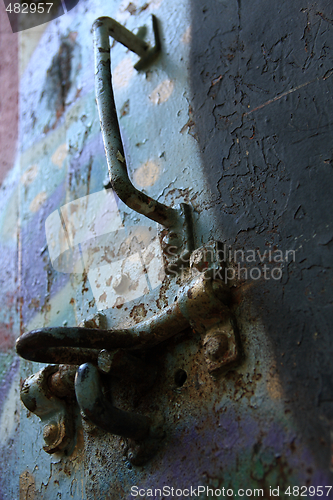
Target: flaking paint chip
[187, 35]
[155, 4]
[123, 73]
[59, 155]
[38, 201]
[147, 174]
[120, 157]
[162, 92]
[29, 175]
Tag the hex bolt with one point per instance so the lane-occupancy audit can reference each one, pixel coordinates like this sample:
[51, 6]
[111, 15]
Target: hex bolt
[216, 347]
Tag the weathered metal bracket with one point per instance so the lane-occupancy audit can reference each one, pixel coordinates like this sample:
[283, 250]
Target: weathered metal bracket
[201, 303]
[55, 413]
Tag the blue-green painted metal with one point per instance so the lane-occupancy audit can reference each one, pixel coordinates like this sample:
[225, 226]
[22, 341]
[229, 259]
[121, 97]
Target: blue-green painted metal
[103, 28]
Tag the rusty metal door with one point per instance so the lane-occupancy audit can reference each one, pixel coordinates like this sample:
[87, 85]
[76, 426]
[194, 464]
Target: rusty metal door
[231, 120]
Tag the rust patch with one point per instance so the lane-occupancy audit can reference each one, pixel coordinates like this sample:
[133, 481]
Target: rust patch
[190, 125]
[131, 8]
[274, 387]
[34, 304]
[124, 110]
[27, 486]
[7, 338]
[119, 302]
[138, 313]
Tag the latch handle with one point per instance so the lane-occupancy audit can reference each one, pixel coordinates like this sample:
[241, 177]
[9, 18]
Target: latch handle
[199, 300]
[103, 28]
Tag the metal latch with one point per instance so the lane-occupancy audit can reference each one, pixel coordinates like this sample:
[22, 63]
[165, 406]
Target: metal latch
[97, 352]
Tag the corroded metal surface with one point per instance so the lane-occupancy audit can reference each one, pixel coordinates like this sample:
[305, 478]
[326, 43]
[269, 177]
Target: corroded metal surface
[201, 303]
[102, 412]
[57, 417]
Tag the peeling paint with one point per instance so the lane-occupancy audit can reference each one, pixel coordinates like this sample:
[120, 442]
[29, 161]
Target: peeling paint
[162, 92]
[257, 174]
[187, 35]
[9, 418]
[38, 201]
[123, 73]
[274, 387]
[147, 174]
[59, 155]
[27, 486]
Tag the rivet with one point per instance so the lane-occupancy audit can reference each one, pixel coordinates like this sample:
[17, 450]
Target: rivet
[50, 433]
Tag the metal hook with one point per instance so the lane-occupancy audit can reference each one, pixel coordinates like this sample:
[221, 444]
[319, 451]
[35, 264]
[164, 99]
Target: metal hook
[103, 28]
[132, 42]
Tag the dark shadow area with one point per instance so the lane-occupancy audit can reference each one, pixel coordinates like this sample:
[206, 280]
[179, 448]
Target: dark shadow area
[262, 82]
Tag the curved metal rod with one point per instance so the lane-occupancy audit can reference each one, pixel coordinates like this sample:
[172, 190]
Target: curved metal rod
[103, 28]
[101, 411]
[200, 299]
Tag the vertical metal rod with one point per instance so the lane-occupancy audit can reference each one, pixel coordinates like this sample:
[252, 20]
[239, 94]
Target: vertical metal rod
[120, 181]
